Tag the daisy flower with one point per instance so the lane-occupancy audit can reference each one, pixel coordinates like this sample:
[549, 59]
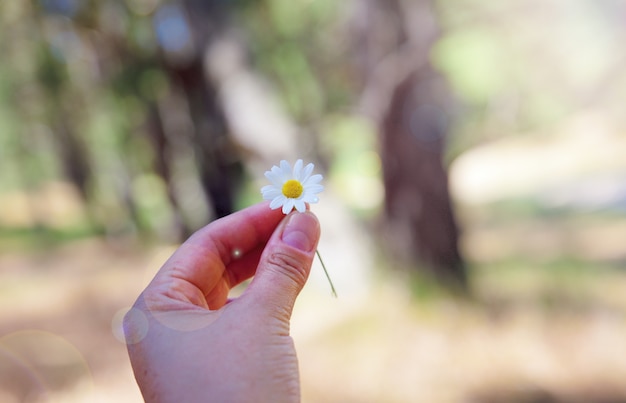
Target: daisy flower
[292, 188]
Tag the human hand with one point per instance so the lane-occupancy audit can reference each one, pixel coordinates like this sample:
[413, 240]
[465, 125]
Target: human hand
[188, 343]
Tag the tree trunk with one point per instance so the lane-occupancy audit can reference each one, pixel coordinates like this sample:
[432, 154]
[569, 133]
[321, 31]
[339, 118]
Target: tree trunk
[218, 163]
[408, 99]
[418, 210]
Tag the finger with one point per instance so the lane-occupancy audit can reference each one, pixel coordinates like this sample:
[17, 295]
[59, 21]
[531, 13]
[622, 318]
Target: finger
[243, 267]
[198, 265]
[238, 271]
[285, 263]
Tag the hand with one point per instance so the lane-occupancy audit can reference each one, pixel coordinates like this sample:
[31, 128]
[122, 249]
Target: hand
[188, 343]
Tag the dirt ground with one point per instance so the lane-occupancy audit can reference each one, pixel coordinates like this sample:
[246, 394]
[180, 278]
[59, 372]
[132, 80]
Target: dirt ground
[59, 320]
[518, 342]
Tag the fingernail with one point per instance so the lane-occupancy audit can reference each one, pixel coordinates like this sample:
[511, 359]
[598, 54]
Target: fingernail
[301, 231]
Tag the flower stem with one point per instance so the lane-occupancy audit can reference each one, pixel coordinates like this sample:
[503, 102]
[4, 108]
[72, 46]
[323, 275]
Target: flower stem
[332, 287]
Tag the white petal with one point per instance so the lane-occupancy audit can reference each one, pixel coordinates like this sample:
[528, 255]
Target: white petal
[313, 180]
[297, 168]
[270, 192]
[310, 198]
[280, 176]
[308, 170]
[288, 206]
[313, 189]
[277, 202]
[300, 206]
[274, 178]
[266, 189]
[285, 169]
[277, 171]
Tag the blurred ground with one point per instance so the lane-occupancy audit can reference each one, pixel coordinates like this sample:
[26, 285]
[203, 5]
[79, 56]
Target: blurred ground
[59, 312]
[547, 324]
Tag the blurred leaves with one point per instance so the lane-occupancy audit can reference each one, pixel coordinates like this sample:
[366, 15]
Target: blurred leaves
[524, 64]
[475, 63]
[96, 70]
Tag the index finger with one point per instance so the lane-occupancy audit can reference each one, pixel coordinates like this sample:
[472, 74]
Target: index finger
[200, 261]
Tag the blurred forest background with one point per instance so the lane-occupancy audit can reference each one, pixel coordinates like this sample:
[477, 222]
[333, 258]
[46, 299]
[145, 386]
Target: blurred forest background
[474, 155]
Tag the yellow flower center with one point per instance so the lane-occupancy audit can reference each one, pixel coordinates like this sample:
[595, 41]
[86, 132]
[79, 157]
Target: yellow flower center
[292, 189]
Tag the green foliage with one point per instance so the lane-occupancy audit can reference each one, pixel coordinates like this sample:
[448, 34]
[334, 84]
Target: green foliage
[291, 46]
[520, 66]
[23, 239]
[51, 73]
[97, 73]
[298, 83]
[356, 173]
[474, 62]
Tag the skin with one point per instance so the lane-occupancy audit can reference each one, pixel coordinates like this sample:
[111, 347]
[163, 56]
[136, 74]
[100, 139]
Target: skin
[188, 342]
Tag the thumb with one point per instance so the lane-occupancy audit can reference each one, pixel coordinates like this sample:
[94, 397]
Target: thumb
[285, 263]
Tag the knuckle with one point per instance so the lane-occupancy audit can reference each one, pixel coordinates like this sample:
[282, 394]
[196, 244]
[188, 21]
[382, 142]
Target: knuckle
[288, 265]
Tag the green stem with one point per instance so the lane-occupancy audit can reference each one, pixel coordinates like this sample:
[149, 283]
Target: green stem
[332, 287]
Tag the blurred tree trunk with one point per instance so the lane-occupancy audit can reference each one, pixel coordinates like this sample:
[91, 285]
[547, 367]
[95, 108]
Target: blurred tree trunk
[418, 209]
[163, 159]
[219, 166]
[69, 144]
[409, 101]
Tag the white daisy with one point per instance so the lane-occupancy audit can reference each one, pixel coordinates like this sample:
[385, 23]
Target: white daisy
[292, 188]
